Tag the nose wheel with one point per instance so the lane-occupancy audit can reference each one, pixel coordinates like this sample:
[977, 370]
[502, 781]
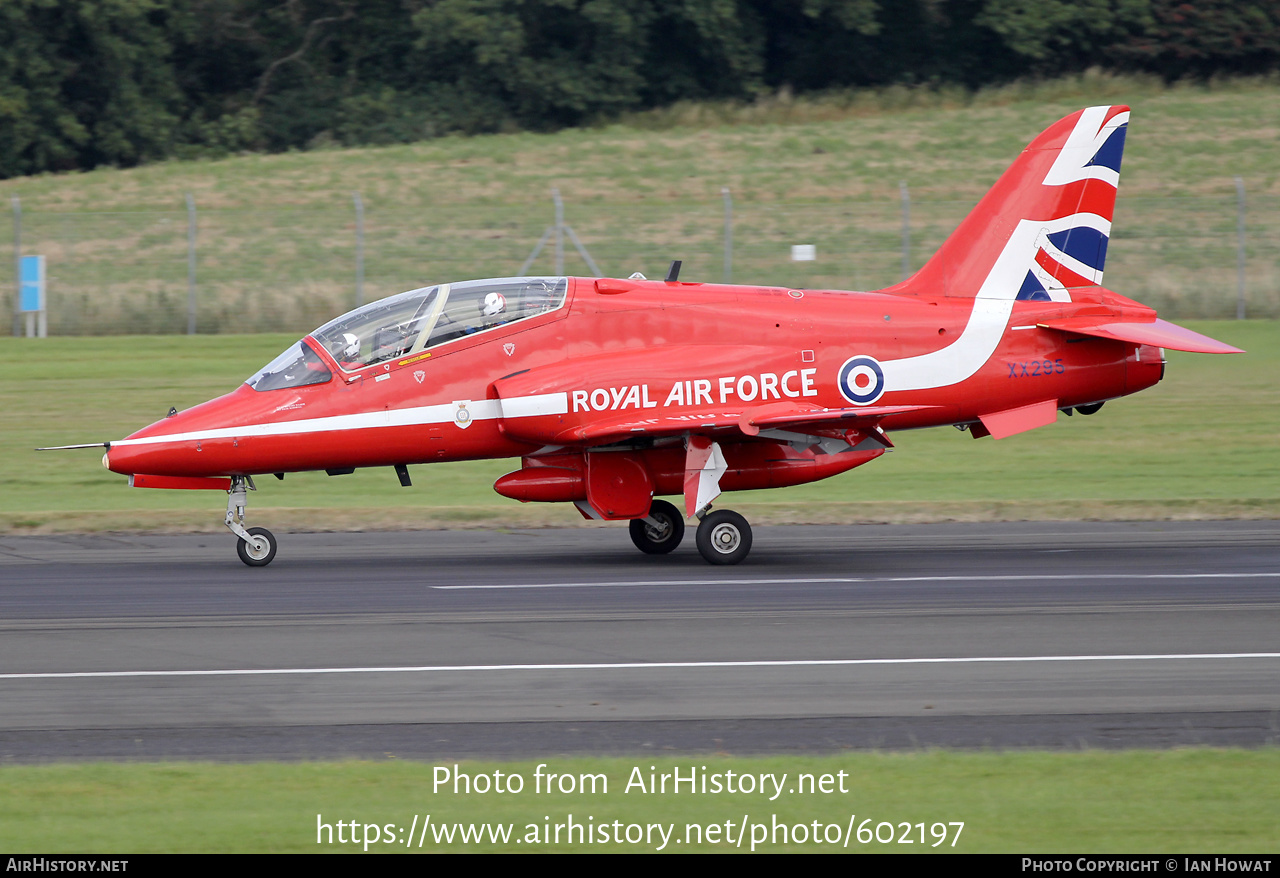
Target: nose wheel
[258, 549]
[257, 545]
[724, 537]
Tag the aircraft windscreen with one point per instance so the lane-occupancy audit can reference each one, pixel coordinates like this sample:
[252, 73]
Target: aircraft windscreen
[296, 367]
[380, 330]
[431, 316]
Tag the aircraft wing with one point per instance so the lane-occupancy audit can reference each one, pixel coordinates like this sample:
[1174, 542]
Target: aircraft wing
[1160, 333]
[796, 418]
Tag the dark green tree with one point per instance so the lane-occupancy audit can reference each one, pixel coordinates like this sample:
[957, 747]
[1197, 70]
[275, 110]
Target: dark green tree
[85, 83]
[1206, 37]
[561, 62]
[1056, 36]
[91, 82]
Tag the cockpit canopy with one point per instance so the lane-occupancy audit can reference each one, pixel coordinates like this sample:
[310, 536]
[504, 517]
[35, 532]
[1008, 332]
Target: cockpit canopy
[411, 322]
[296, 367]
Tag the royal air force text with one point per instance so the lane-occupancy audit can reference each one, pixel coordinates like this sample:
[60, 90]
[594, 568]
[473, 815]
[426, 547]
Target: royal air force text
[700, 391]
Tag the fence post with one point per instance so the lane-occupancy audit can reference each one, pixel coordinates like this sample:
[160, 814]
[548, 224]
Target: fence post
[17, 266]
[555, 194]
[359, 248]
[191, 265]
[728, 234]
[1239, 248]
[906, 229]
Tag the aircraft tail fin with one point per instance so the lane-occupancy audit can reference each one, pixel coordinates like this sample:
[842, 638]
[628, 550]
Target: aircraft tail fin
[1044, 226]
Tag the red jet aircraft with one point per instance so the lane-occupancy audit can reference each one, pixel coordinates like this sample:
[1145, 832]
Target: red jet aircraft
[615, 391]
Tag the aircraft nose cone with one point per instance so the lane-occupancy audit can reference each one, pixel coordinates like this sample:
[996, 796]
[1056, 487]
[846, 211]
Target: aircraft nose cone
[167, 447]
[202, 441]
[121, 459]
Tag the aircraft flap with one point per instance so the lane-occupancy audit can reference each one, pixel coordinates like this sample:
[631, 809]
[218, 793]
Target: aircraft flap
[1013, 421]
[795, 415]
[636, 425]
[789, 416]
[1160, 333]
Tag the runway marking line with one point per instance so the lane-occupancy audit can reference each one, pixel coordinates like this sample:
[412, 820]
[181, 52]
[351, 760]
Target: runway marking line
[613, 666]
[841, 580]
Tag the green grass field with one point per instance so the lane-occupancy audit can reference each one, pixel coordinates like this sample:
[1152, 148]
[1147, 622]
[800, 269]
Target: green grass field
[1180, 801]
[1204, 443]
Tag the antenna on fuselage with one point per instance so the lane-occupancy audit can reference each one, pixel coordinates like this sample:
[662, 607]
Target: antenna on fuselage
[673, 273]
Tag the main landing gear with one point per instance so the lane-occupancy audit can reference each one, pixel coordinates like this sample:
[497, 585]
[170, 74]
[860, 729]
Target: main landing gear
[257, 545]
[723, 537]
[661, 532]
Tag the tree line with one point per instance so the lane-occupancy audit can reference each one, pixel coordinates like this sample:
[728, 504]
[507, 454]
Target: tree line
[91, 82]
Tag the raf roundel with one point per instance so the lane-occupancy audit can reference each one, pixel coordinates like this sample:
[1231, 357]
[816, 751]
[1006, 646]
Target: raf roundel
[861, 380]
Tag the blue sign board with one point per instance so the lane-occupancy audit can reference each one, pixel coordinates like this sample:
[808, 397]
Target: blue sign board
[31, 297]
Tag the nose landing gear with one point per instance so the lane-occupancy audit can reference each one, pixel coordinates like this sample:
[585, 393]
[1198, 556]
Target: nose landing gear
[257, 545]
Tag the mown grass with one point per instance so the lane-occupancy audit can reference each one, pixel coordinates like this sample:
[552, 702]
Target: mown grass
[956, 142]
[1181, 801]
[1204, 443]
[277, 239]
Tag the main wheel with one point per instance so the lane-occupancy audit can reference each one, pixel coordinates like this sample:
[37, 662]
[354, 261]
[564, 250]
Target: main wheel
[259, 549]
[724, 537]
[661, 539]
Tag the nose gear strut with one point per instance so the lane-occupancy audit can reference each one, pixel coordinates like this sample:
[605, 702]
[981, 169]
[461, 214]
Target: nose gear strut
[257, 545]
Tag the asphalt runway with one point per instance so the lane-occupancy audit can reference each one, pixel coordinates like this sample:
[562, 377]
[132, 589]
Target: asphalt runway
[539, 642]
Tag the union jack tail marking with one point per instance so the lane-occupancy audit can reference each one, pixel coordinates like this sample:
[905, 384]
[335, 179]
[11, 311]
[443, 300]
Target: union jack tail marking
[1045, 225]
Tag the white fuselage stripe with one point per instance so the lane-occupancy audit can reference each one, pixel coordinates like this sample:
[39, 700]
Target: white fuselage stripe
[989, 318]
[993, 305]
[480, 410]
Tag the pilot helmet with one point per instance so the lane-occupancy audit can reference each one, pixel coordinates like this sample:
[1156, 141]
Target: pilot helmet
[352, 349]
[494, 303]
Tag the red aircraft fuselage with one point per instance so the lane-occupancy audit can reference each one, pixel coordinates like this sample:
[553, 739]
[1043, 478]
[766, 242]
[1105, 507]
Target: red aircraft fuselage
[656, 351]
[614, 391]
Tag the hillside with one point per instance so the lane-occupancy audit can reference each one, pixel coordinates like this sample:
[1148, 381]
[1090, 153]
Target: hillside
[276, 234]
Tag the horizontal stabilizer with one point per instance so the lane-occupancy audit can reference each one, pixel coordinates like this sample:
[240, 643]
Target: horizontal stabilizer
[1160, 333]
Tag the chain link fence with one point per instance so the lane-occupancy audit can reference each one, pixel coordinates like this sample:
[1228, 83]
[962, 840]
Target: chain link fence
[259, 270]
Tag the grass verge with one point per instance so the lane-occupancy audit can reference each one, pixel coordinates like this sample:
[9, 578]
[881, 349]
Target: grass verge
[1180, 801]
[1204, 443]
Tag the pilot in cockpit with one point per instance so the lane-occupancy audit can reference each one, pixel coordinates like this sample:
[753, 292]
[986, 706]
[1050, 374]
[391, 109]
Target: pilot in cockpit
[348, 350]
[493, 305]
